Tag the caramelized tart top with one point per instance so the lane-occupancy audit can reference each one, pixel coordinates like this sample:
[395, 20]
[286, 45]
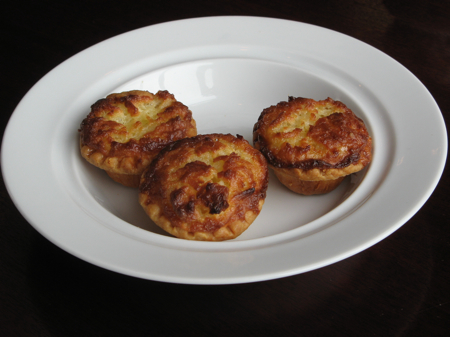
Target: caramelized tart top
[306, 134]
[124, 131]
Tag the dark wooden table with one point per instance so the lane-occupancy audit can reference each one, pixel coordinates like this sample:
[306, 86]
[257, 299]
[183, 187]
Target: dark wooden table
[399, 287]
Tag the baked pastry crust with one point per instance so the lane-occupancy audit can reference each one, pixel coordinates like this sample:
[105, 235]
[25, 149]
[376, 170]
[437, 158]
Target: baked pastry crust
[307, 142]
[209, 187]
[125, 131]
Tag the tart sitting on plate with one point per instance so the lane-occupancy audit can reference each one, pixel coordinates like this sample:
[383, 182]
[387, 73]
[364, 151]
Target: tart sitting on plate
[312, 145]
[209, 187]
[125, 131]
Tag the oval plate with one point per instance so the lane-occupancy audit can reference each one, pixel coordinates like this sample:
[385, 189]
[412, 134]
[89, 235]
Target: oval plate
[227, 70]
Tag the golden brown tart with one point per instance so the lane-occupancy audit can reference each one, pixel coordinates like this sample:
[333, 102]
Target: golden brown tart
[312, 145]
[209, 187]
[125, 131]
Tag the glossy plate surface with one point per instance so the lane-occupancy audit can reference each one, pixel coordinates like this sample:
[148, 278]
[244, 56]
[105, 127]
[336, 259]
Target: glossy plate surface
[226, 70]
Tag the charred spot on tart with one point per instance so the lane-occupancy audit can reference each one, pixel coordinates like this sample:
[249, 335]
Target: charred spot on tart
[181, 202]
[215, 197]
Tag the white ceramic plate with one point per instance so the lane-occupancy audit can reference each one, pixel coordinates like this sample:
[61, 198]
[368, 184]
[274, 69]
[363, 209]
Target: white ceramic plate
[227, 70]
